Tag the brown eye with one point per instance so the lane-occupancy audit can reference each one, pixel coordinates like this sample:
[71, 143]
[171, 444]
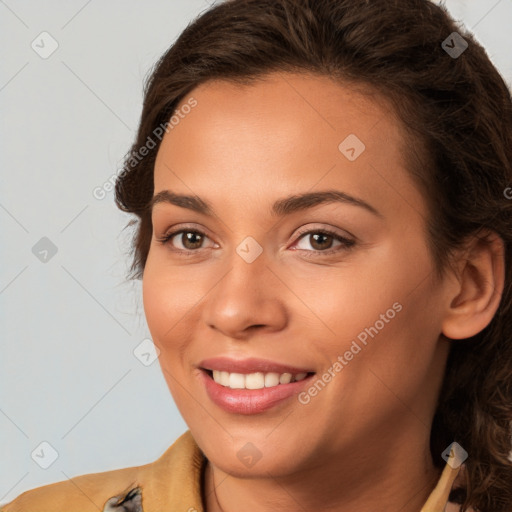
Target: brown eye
[191, 239]
[320, 241]
[184, 239]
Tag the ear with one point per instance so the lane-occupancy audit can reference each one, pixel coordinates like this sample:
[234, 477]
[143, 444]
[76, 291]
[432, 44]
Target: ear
[476, 295]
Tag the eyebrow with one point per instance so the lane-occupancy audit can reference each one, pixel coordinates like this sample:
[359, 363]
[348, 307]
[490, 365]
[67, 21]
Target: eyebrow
[281, 207]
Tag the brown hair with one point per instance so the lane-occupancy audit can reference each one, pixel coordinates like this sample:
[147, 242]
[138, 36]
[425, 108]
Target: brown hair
[457, 112]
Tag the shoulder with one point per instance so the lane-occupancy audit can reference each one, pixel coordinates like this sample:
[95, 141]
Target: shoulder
[153, 483]
[81, 494]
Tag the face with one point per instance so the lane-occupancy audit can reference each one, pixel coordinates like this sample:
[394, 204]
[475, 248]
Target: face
[253, 282]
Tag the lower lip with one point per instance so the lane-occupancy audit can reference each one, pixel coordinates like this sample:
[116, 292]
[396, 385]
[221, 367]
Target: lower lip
[250, 401]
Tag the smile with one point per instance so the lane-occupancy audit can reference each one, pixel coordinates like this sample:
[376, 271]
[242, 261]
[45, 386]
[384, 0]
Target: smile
[258, 380]
[251, 386]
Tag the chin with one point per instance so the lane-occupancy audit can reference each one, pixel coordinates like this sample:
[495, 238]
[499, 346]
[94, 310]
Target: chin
[282, 466]
[250, 455]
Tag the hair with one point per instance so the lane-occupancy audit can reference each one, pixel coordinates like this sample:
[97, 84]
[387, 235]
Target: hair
[457, 118]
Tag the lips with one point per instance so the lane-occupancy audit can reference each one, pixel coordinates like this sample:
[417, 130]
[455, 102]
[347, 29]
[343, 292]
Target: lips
[250, 386]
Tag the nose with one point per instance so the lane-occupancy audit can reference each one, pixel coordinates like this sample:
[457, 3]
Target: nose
[249, 297]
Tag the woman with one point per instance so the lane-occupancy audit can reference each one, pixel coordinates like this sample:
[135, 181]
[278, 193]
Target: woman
[324, 235]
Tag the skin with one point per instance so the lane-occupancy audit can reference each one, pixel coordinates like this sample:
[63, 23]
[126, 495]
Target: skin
[362, 443]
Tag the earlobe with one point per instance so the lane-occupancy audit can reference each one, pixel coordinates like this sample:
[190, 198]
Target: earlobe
[480, 287]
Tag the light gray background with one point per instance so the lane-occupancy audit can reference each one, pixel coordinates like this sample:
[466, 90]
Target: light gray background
[68, 374]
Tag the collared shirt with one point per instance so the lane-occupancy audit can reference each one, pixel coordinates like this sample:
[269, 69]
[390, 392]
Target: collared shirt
[172, 483]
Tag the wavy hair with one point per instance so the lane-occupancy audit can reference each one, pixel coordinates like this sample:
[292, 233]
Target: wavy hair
[457, 115]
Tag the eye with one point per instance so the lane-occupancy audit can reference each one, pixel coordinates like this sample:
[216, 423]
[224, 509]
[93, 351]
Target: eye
[190, 239]
[322, 240]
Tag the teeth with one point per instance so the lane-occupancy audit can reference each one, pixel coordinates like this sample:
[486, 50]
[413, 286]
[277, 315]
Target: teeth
[224, 378]
[255, 380]
[258, 380]
[236, 381]
[271, 379]
[285, 378]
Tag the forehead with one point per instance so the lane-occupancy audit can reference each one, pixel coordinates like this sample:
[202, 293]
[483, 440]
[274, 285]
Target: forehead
[287, 131]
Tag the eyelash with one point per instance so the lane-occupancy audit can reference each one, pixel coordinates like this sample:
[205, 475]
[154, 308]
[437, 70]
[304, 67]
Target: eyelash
[346, 243]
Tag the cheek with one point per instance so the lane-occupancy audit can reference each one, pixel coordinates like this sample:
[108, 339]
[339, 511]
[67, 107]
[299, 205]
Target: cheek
[381, 308]
[169, 295]
[165, 307]
[165, 303]
[172, 298]
[344, 302]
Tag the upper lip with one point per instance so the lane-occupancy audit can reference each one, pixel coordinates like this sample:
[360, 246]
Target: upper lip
[249, 365]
